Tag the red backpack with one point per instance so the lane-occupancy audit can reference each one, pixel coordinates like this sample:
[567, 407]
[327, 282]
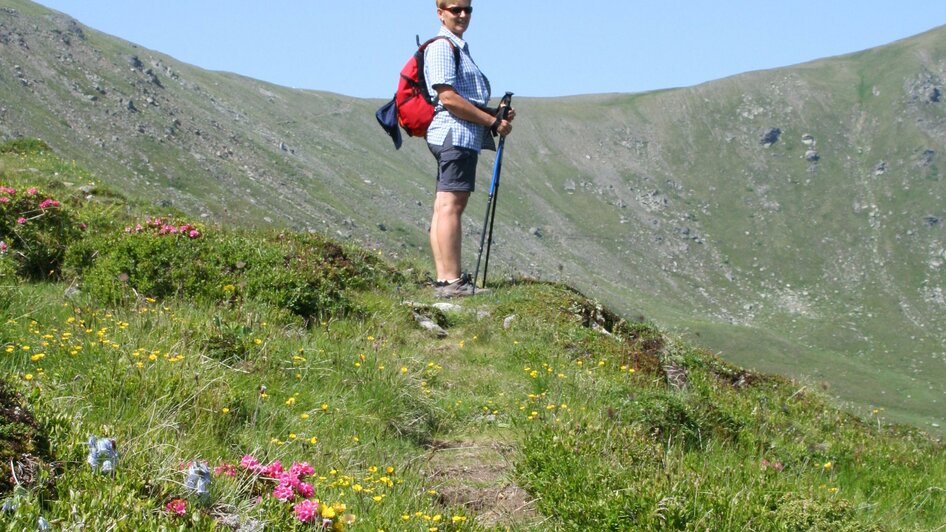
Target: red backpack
[412, 107]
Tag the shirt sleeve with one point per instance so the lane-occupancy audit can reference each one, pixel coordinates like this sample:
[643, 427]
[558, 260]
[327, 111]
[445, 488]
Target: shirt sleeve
[439, 64]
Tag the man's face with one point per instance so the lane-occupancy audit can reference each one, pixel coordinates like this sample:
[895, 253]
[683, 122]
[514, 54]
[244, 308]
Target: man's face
[455, 15]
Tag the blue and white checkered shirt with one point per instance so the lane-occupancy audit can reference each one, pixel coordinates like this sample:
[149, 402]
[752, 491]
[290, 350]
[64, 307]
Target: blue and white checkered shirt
[468, 81]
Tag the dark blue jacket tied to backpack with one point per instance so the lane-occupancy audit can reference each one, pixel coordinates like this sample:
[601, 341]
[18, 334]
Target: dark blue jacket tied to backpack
[412, 107]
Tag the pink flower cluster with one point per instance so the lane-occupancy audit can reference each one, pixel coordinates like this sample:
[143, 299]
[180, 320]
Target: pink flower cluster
[289, 484]
[176, 506]
[225, 469]
[773, 465]
[3, 247]
[164, 227]
[6, 193]
[307, 511]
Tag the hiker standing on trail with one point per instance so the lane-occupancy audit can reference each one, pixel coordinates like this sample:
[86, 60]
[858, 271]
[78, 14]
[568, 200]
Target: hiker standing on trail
[461, 127]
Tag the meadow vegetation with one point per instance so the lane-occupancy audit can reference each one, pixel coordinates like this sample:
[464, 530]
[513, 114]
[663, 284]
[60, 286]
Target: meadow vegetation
[279, 380]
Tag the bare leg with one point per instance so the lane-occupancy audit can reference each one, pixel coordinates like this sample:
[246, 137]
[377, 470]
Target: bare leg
[446, 232]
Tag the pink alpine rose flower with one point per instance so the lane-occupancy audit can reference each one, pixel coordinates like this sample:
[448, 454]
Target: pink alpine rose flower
[306, 511]
[31, 191]
[225, 469]
[3, 247]
[284, 492]
[306, 489]
[301, 470]
[176, 506]
[251, 463]
[273, 470]
[21, 220]
[288, 478]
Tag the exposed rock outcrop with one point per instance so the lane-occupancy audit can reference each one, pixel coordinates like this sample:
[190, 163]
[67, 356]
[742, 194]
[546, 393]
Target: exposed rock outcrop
[770, 136]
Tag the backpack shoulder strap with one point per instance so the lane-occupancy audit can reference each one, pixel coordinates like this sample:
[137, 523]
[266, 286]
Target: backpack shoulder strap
[456, 51]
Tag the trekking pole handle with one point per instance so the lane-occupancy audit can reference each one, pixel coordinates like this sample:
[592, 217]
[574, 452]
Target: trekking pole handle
[504, 105]
[501, 112]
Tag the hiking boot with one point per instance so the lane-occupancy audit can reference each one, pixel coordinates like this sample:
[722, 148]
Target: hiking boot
[459, 288]
[438, 286]
[462, 287]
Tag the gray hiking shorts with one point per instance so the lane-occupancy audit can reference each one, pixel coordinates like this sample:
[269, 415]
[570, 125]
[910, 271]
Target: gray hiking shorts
[456, 167]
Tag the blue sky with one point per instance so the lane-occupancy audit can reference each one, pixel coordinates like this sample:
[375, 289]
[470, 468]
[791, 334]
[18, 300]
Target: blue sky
[534, 48]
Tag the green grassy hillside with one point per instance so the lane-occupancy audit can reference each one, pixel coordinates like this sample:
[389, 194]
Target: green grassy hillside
[819, 255]
[311, 395]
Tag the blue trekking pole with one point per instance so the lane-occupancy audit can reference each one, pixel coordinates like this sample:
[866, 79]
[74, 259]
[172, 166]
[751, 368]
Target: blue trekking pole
[492, 200]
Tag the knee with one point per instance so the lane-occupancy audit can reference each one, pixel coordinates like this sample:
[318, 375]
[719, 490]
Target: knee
[450, 204]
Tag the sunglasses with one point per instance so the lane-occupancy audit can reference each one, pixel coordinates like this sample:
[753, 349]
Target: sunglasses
[456, 10]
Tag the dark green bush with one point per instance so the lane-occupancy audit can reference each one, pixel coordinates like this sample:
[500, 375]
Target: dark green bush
[35, 230]
[7, 268]
[665, 416]
[8, 281]
[305, 274]
[795, 512]
[22, 439]
[24, 146]
[228, 340]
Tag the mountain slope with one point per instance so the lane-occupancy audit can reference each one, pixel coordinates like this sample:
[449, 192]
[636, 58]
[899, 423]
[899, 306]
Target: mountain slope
[820, 254]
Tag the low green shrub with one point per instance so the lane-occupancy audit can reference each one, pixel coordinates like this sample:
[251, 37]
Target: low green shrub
[305, 274]
[24, 445]
[24, 146]
[7, 267]
[35, 230]
[665, 415]
[794, 512]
